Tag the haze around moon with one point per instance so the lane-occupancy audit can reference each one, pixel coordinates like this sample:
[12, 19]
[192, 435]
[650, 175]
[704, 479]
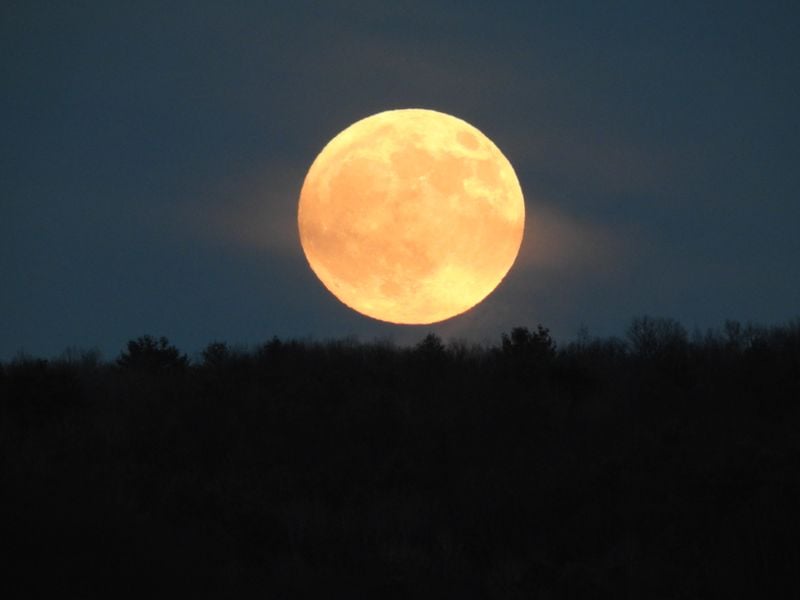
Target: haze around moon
[411, 216]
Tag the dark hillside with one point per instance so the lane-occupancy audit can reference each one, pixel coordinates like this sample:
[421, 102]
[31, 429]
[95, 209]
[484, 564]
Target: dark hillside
[661, 466]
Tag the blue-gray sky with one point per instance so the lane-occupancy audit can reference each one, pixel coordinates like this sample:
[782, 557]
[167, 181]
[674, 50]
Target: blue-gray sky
[152, 156]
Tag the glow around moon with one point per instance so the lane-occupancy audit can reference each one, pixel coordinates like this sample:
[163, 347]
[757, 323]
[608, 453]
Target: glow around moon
[411, 216]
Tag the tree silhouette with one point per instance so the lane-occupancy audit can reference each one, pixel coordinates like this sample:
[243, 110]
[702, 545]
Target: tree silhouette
[147, 353]
[429, 355]
[656, 337]
[529, 346]
[430, 346]
[216, 355]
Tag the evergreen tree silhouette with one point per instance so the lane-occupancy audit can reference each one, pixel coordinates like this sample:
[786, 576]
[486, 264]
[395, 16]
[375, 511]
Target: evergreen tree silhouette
[147, 353]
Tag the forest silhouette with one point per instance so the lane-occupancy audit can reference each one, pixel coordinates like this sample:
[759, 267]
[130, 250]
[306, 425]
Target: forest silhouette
[658, 465]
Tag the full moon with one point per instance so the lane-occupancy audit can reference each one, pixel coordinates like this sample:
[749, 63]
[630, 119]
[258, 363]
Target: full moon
[411, 216]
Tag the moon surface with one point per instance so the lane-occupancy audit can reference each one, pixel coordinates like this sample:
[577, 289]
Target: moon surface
[411, 216]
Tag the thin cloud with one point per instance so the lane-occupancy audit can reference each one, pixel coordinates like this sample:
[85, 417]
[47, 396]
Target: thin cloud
[257, 213]
[555, 240]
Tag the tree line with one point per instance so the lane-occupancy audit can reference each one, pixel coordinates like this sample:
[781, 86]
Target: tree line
[658, 464]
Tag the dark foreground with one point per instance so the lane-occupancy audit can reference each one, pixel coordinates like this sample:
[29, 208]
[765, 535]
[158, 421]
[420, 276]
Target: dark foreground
[655, 468]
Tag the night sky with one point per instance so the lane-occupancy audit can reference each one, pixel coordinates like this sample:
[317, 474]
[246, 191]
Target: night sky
[152, 157]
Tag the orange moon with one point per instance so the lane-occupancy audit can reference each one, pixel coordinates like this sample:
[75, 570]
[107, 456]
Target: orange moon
[411, 216]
